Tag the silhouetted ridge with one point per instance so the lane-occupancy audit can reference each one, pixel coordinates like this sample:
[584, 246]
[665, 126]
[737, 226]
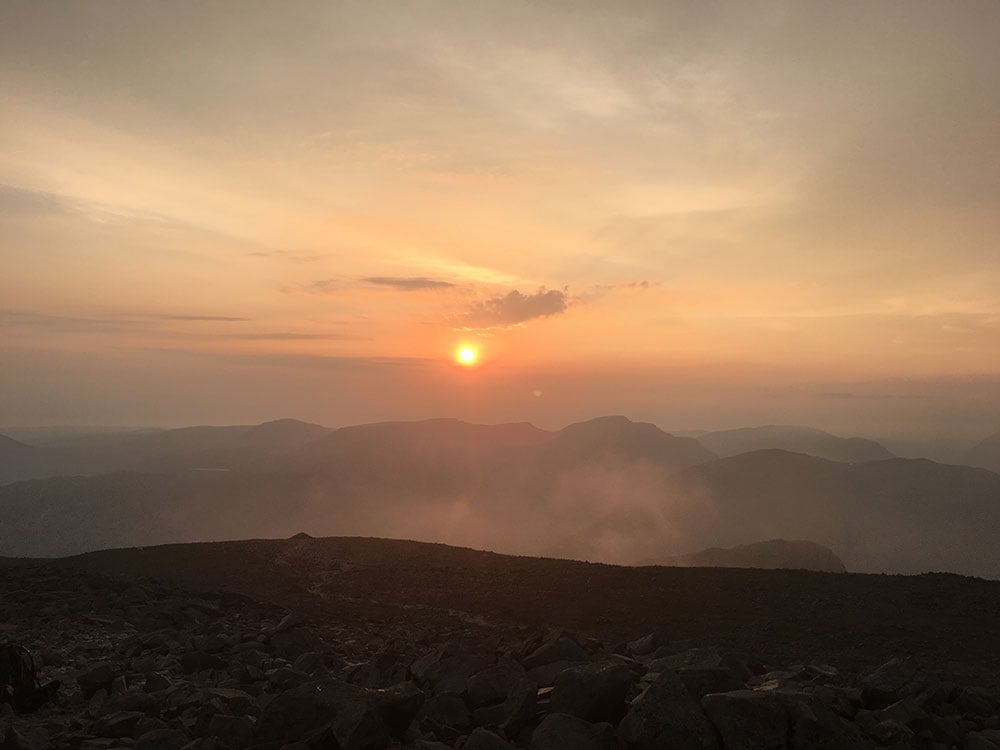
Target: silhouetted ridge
[985, 454]
[796, 439]
[772, 554]
[617, 437]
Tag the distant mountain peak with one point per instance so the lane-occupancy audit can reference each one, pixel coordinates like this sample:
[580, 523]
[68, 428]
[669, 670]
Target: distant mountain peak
[797, 554]
[795, 439]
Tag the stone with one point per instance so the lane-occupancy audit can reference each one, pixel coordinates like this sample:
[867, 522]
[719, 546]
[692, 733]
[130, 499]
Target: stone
[884, 685]
[142, 702]
[482, 739]
[646, 645]
[157, 681]
[198, 661]
[118, 724]
[558, 648]
[595, 692]
[293, 642]
[520, 706]
[562, 731]
[667, 715]
[447, 710]
[491, 685]
[161, 739]
[234, 731]
[345, 708]
[748, 719]
[489, 716]
[701, 681]
[397, 706]
[98, 677]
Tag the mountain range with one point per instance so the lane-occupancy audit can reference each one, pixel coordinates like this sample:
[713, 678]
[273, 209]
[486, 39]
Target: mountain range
[608, 489]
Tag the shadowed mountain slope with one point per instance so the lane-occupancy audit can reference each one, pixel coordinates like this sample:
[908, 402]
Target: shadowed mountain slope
[795, 439]
[18, 460]
[163, 451]
[985, 454]
[899, 515]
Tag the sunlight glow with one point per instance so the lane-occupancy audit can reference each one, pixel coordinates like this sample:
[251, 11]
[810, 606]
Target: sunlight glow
[467, 356]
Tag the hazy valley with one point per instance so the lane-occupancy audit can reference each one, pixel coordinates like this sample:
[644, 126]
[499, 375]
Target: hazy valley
[607, 490]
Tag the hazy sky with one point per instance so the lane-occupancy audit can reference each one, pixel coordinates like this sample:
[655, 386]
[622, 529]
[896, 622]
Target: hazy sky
[706, 214]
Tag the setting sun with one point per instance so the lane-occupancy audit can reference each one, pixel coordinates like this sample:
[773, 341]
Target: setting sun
[466, 355]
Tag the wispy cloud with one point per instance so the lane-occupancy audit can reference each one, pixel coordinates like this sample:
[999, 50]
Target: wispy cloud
[223, 318]
[289, 336]
[288, 255]
[408, 283]
[320, 286]
[17, 200]
[514, 308]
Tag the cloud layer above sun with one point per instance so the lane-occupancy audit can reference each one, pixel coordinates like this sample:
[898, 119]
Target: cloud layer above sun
[802, 189]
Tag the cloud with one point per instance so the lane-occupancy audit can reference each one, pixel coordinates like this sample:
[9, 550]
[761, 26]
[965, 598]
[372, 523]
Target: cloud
[288, 255]
[514, 308]
[408, 283]
[224, 318]
[287, 336]
[16, 200]
[321, 286]
[402, 283]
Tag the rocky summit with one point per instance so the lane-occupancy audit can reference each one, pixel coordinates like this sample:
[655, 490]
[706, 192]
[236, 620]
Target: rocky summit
[148, 662]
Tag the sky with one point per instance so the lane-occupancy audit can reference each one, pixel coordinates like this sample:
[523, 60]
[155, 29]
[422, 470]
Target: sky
[702, 214]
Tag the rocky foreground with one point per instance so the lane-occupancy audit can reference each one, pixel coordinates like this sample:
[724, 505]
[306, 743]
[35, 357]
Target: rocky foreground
[147, 664]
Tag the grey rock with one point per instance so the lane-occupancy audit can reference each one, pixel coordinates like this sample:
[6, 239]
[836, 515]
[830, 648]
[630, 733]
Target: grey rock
[884, 685]
[666, 715]
[98, 677]
[397, 706]
[482, 739]
[234, 731]
[491, 685]
[118, 724]
[447, 710]
[344, 708]
[558, 648]
[595, 692]
[520, 706]
[161, 739]
[562, 731]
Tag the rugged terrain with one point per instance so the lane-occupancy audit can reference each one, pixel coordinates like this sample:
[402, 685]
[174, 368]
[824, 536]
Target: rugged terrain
[368, 643]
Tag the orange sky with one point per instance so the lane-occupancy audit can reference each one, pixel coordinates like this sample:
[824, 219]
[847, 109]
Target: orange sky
[250, 210]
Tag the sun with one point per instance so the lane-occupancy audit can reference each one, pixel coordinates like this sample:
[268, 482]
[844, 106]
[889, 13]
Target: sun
[466, 355]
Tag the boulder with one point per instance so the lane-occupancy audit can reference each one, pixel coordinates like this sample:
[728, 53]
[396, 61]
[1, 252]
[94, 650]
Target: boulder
[345, 709]
[885, 685]
[560, 647]
[161, 739]
[292, 642]
[447, 710]
[397, 706]
[562, 731]
[233, 731]
[117, 724]
[666, 715]
[198, 661]
[491, 685]
[595, 692]
[701, 681]
[142, 702]
[482, 739]
[520, 706]
[98, 677]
